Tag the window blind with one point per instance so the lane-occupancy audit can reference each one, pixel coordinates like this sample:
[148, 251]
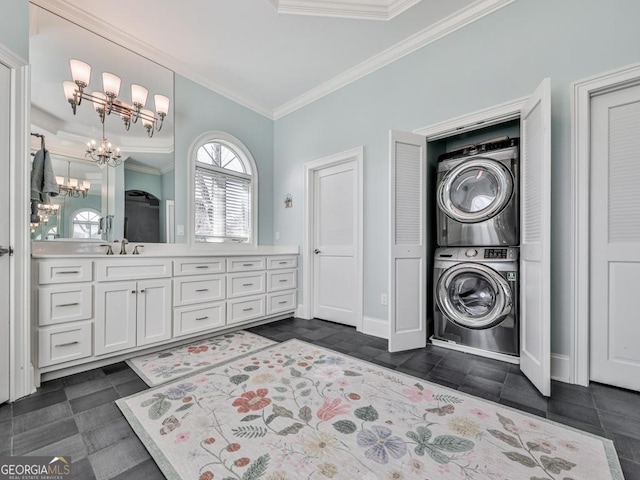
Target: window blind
[222, 206]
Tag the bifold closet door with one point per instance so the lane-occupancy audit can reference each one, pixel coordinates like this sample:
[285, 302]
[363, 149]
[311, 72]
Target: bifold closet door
[535, 243]
[407, 218]
[615, 238]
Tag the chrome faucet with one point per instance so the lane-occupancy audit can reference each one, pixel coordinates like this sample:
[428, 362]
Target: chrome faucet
[123, 249]
[109, 249]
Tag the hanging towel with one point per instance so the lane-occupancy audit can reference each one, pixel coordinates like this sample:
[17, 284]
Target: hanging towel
[43, 179]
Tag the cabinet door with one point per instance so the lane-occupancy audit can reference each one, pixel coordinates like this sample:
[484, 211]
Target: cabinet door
[115, 317]
[154, 311]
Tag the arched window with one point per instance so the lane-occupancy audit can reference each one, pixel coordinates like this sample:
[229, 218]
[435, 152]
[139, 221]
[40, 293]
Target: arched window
[225, 190]
[85, 223]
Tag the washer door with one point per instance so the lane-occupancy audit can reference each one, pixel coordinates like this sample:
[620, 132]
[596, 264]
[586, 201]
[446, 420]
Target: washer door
[473, 296]
[475, 190]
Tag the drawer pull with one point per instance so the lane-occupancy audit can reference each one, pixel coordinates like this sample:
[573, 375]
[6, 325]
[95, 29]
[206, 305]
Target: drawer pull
[68, 304]
[247, 309]
[282, 302]
[69, 272]
[202, 266]
[68, 344]
[283, 263]
[247, 284]
[282, 281]
[247, 264]
[201, 318]
[202, 290]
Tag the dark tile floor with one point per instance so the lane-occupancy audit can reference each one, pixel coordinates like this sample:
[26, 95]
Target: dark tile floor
[77, 416]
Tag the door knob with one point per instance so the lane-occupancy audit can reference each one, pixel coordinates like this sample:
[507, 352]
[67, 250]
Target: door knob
[4, 251]
[316, 251]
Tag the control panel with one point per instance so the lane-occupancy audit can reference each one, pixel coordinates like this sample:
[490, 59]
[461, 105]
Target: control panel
[495, 253]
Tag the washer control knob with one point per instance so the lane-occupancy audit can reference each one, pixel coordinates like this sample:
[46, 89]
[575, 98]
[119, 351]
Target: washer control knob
[472, 252]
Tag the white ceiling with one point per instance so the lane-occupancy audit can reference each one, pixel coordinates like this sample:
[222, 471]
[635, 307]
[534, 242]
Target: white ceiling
[272, 62]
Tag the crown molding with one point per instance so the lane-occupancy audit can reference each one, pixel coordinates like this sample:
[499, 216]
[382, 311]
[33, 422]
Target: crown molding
[142, 169]
[73, 13]
[420, 39]
[463, 17]
[355, 9]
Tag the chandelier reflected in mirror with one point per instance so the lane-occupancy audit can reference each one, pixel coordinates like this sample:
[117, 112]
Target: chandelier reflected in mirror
[107, 101]
[72, 187]
[103, 153]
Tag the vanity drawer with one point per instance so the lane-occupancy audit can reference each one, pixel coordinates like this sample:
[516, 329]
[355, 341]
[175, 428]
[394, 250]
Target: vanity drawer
[63, 343]
[132, 269]
[245, 309]
[281, 280]
[67, 270]
[64, 303]
[188, 320]
[281, 302]
[245, 264]
[289, 261]
[188, 290]
[198, 266]
[241, 284]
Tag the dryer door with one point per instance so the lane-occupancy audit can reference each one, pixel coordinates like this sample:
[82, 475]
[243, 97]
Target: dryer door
[474, 296]
[475, 190]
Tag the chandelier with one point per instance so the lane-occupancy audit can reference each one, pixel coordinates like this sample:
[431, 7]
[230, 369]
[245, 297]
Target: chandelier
[107, 101]
[103, 154]
[71, 187]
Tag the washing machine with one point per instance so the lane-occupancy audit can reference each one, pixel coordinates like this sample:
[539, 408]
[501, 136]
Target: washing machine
[476, 298]
[477, 195]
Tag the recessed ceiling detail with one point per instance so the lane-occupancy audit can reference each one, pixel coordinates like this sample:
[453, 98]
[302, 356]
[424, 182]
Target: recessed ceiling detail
[357, 9]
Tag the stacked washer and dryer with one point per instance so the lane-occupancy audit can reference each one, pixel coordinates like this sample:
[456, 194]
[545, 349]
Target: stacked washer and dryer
[476, 262]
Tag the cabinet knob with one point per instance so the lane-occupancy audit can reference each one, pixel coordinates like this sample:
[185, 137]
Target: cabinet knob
[133, 291]
[316, 251]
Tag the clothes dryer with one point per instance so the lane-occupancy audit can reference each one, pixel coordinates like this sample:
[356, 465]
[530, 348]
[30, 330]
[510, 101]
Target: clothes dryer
[476, 298]
[477, 195]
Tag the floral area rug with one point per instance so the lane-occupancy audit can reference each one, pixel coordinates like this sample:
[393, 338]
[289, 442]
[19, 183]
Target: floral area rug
[296, 411]
[162, 367]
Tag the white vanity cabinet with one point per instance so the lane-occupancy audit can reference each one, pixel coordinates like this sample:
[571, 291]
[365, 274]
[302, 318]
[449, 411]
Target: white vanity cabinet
[95, 309]
[130, 314]
[64, 306]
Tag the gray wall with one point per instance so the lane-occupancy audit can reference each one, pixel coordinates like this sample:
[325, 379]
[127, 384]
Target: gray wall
[14, 27]
[496, 59]
[199, 110]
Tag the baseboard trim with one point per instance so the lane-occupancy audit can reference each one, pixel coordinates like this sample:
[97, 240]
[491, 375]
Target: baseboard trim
[375, 327]
[302, 312]
[561, 368]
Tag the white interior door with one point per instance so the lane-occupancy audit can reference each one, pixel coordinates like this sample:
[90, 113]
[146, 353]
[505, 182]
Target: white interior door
[535, 244]
[5, 85]
[615, 238]
[407, 217]
[335, 243]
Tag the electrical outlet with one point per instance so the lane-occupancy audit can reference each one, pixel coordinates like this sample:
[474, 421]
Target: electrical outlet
[180, 230]
[383, 299]
[277, 235]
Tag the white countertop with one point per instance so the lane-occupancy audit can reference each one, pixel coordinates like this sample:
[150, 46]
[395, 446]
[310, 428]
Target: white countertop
[61, 249]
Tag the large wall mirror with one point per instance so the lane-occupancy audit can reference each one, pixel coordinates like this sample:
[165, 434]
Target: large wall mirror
[135, 199]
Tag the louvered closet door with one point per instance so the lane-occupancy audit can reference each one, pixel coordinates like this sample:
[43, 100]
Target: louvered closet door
[407, 217]
[535, 246]
[615, 238]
